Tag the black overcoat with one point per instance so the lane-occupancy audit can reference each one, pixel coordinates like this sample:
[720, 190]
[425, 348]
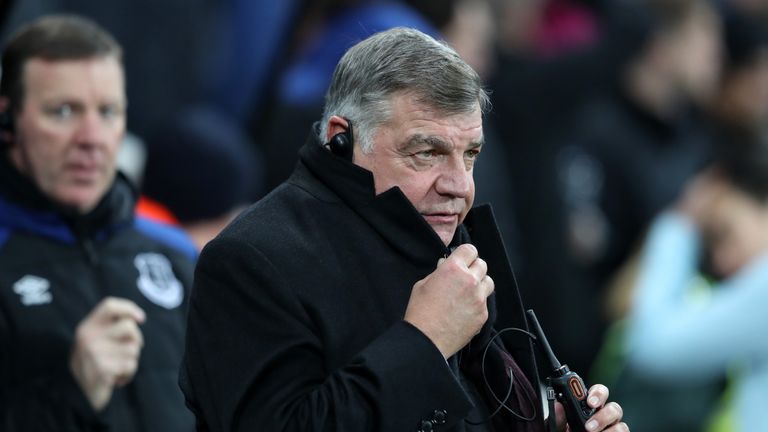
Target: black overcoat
[296, 316]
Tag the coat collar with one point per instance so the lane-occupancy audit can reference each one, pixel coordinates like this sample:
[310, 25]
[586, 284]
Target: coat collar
[393, 216]
[23, 206]
[390, 213]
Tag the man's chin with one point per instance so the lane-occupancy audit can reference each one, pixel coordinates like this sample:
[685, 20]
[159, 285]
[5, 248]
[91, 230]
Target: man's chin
[81, 199]
[445, 233]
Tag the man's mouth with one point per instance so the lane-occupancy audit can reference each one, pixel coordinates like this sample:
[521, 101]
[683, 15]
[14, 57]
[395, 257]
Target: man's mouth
[441, 218]
[83, 171]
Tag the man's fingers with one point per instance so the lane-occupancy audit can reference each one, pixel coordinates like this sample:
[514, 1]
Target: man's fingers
[128, 351]
[113, 308]
[618, 427]
[125, 330]
[598, 395]
[466, 254]
[121, 361]
[608, 415]
[479, 268]
[126, 369]
[488, 285]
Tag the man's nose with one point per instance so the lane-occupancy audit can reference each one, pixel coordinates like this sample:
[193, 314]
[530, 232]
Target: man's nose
[92, 130]
[455, 179]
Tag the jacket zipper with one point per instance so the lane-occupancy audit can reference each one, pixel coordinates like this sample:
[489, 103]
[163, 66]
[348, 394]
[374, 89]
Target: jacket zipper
[89, 250]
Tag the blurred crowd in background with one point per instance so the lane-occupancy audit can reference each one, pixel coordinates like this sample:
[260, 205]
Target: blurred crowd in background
[609, 118]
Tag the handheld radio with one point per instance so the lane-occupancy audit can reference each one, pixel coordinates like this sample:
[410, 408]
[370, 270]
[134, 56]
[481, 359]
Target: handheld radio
[568, 386]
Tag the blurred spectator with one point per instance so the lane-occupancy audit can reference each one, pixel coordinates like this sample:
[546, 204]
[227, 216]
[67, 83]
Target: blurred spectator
[92, 320]
[204, 170]
[641, 143]
[738, 115]
[535, 97]
[633, 149]
[742, 102]
[672, 338]
[740, 107]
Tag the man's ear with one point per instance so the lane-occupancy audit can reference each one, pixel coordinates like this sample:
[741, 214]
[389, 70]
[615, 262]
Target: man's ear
[336, 125]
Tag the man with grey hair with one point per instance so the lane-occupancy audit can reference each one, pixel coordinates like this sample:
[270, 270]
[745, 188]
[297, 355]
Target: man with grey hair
[353, 297]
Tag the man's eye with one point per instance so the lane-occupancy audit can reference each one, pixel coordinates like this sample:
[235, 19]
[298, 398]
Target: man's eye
[426, 155]
[62, 112]
[472, 154]
[110, 111]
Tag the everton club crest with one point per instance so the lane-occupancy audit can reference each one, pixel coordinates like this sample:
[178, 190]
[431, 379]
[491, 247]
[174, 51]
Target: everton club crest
[157, 281]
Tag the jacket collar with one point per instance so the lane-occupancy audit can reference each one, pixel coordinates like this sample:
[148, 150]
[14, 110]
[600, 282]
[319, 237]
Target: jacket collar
[390, 213]
[24, 207]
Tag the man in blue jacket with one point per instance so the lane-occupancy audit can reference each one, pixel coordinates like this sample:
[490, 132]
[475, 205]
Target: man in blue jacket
[92, 300]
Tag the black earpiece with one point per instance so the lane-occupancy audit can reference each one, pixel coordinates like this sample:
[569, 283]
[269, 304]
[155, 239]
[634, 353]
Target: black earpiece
[6, 121]
[6, 127]
[342, 144]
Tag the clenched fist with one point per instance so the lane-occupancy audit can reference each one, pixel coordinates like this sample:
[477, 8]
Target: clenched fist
[450, 304]
[106, 349]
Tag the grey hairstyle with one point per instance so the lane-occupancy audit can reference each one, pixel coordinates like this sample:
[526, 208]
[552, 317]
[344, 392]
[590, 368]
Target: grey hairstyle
[394, 61]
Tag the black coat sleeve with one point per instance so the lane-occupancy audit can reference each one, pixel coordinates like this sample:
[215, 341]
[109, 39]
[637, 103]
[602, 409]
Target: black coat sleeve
[254, 362]
[52, 402]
